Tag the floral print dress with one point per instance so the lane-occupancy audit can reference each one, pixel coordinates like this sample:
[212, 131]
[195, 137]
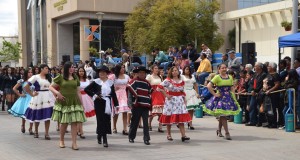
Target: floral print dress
[174, 110]
[226, 104]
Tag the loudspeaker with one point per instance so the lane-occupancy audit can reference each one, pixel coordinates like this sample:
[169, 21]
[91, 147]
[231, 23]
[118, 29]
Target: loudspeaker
[66, 58]
[248, 53]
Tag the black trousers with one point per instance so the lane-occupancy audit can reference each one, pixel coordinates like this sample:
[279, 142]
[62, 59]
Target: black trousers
[243, 104]
[275, 99]
[103, 119]
[137, 113]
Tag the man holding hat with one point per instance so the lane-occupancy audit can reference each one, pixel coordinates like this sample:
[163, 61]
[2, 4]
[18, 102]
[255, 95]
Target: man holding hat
[140, 90]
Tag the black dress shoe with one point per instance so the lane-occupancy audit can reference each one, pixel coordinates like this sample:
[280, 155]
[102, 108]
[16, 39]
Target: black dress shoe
[272, 126]
[105, 144]
[131, 140]
[258, 125]
[250, 124]
[147, 142]
[266, 126]
[99, 139]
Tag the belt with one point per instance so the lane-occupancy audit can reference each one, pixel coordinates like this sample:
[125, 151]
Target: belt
[42, 90]
[176, 93]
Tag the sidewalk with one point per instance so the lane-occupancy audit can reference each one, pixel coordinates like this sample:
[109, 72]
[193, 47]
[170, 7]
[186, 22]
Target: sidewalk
[248, 143]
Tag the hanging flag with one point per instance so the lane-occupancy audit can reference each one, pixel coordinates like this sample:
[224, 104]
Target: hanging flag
[91, 33]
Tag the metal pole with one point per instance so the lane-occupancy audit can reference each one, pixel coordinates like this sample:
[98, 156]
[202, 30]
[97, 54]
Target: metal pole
[41, 32]
[294, 29]
[100, 47]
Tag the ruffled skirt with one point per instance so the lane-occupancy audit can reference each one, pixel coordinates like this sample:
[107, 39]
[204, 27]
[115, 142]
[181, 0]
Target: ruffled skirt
[123, 101]
[174, 111]
[20, 106]
[158, 101]
[191, 99]
[68, 111]
[88, 105]
[224, 105]
[40, 107]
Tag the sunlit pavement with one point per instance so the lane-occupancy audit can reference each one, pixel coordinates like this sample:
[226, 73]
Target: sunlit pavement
[248, 143]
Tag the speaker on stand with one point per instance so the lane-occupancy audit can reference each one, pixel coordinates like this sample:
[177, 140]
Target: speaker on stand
[248, 53]
[65, 58]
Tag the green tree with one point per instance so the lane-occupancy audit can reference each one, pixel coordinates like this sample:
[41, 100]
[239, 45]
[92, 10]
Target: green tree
[10, 51]
[162, 23]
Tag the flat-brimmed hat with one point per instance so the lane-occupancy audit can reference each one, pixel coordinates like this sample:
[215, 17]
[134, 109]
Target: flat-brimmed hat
[140, 68]
[103, 68]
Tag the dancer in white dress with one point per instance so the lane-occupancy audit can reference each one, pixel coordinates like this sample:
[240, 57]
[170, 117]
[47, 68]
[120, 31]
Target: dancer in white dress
[191, 91]
[41, 105]
[87, 102]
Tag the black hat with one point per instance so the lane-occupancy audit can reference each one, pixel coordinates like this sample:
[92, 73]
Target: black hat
[103, 68]
[141, 68]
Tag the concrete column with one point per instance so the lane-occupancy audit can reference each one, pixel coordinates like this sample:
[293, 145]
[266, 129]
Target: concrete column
[84, 45]
[23, 61]
[237, 37]
[65, 42]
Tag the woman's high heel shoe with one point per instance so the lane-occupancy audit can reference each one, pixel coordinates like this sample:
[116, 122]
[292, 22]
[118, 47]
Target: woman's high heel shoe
[74, 147]
[227, 136]
[169, 138]
[185, 138]
[115, 131]
[62, 144]
[36, 135]
[30, 131]
[219, 133]
[23, 129]
[125, 132]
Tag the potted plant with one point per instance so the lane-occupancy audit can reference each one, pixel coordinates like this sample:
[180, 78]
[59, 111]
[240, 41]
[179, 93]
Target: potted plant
[93, 51]
[287, 25]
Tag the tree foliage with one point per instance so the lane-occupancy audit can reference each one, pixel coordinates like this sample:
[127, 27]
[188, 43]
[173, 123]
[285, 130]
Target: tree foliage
[10, 51]
[164, 23]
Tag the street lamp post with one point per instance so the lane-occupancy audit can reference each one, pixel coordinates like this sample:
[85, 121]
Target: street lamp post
[100, 18]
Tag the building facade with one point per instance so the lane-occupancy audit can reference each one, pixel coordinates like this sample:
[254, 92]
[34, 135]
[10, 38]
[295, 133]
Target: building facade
[52, 31]
[58, 27]
[262, 25]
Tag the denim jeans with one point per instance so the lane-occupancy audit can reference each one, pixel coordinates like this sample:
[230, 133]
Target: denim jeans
[253, 110]
[201, 77]
[298, 108]
[165, 66]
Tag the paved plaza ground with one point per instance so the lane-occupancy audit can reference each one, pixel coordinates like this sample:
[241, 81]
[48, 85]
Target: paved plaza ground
[249, 143]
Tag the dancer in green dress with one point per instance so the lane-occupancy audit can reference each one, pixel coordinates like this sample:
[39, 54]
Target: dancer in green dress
[68, 108]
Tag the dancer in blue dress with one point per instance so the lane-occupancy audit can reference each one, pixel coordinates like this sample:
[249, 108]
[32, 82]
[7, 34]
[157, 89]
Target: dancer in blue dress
[223, 103]
[20, 106]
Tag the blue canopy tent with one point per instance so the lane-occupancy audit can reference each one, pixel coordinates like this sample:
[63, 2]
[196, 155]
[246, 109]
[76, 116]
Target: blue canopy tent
[291, 40]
